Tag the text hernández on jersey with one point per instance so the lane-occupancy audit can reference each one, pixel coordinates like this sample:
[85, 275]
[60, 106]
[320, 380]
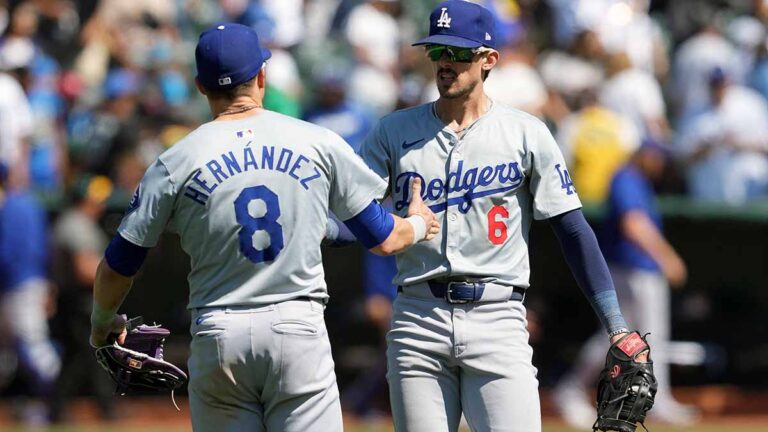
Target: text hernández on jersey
[216, 171]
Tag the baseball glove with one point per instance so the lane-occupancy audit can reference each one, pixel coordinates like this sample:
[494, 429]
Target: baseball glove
[138, 364]
[626, 388]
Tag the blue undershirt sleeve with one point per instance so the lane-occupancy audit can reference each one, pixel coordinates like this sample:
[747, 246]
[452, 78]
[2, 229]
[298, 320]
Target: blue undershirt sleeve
[581, 251]
[125, 257]
[372, 225]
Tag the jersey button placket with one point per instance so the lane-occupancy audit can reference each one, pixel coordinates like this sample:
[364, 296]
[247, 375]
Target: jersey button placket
[451, 216]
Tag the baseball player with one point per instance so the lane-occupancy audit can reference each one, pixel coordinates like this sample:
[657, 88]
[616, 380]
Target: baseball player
[459, 342]
[248, 193]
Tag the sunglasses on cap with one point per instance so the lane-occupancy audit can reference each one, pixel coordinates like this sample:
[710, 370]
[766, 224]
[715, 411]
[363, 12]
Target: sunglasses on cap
[455, 54]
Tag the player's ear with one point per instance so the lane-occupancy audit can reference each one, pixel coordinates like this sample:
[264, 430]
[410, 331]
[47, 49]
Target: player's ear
[490, 60]
[261, 78]
[200, 87]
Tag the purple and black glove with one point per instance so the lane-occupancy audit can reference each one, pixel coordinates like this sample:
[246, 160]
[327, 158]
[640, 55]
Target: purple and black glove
[138, 364]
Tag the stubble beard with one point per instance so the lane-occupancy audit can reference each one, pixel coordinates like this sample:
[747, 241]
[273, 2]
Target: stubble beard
[457, 93]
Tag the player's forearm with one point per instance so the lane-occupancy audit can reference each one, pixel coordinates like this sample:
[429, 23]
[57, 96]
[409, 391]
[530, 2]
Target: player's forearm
[109, 290]
[401, 238]
[638, 228]
[589, 268]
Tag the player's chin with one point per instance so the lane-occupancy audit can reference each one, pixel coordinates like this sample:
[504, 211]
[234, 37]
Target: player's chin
[453, 91]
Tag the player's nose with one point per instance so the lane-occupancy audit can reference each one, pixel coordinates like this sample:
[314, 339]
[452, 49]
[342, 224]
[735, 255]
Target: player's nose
[445, 59]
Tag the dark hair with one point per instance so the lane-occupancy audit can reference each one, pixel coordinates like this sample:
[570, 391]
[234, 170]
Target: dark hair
[486, 73]
[234, 92]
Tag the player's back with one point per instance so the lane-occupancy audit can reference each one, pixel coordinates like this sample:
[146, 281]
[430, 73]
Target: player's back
[249, 199]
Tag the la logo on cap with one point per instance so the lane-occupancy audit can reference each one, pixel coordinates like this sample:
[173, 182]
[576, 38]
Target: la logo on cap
[444, 20]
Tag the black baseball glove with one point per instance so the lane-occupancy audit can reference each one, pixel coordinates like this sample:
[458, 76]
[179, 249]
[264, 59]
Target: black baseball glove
[626, 388]
[138, 364]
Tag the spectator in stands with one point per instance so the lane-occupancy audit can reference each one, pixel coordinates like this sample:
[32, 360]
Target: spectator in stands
[16, 121]
[692, 63]
[724, 145]
[25, 295]
[97, 137]
[635, 94]
[515, 81]
[643, 265]
[334, 110]
[595, 142]
[569, 73]
[373, 33]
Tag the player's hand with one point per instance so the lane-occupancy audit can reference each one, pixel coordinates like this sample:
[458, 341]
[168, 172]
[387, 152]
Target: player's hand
[103, 335]
[674, 270]
[642, 357]
[417, 207]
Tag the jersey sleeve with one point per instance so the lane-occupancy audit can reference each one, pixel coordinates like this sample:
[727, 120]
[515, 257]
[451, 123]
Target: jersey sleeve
[375, 155]
[151, 207]
[353, 184]
[551, 185]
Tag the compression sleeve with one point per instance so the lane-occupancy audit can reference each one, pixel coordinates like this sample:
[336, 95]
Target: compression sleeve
[125, 257]
[588, 266]
[372, 225]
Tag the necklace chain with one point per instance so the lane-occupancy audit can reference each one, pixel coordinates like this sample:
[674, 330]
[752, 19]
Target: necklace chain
[238, 110]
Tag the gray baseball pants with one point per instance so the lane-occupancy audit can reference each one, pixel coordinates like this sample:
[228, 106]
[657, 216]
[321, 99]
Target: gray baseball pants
[445, 359]
[263, 369]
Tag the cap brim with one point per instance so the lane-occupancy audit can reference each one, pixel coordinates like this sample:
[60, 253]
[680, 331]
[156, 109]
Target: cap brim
[449, 40]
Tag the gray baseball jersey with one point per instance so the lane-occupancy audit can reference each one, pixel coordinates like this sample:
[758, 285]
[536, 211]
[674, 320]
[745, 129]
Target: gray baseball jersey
[249, 199]
[484, 184]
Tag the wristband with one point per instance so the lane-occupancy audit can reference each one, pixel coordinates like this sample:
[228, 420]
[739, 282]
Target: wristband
[618, 331]
[419, 226]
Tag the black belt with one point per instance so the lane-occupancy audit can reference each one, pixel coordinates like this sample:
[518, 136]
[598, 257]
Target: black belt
[465, 292]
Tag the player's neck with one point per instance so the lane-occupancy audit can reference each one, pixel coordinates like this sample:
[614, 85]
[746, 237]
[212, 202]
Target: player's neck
[458, 114]
[240, 107]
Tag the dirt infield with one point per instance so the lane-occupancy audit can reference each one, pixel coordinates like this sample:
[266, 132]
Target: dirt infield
[725, 410]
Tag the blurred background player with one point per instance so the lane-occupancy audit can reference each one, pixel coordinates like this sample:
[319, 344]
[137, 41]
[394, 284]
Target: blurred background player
[26, 297]
[79, 242]
[643, 266]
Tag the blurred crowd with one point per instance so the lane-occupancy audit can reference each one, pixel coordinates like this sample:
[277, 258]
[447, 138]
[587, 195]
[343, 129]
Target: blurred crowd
[91, 91]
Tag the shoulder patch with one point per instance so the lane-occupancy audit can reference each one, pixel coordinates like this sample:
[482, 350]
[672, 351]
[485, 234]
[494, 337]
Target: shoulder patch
[135, 200]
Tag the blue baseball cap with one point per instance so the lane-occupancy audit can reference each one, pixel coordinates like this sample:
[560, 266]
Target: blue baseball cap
[228, 55]
[461, 24]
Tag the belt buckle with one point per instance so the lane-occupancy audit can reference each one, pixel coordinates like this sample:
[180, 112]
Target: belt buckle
[449, 291]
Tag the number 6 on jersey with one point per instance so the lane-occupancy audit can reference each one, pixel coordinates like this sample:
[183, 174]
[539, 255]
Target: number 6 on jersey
[251, 224]
[497, 229]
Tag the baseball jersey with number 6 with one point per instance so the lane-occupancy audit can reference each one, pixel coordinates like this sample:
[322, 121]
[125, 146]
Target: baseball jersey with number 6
[484, 184]
[249, 199]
